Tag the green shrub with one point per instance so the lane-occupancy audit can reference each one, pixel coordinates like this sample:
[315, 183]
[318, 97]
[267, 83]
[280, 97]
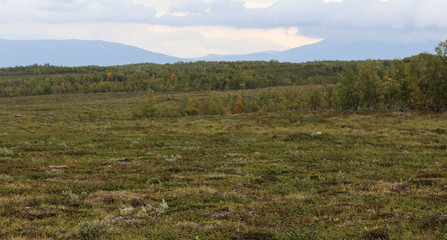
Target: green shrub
[161, 209]
[294, 118]
[192, 111]
[148, 109]
[5, 178]
[71, 198]
[92, 116]
[128, 211]
[5, 152]
[92, 230]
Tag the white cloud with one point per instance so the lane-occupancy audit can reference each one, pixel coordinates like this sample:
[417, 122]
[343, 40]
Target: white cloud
[234, 13]
[203, 40]
[194, 41]
[259, 3]
[74, 11]
[231, 26]
[329, 1]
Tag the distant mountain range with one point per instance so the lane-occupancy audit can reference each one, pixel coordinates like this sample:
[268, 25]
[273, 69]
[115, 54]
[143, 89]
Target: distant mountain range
[101, 53]
[335, 50]
[75, 53]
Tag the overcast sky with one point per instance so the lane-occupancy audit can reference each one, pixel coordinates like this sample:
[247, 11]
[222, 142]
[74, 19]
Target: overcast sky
[193, 28]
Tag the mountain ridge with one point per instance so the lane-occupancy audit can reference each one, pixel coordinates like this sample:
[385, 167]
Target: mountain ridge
[74, 52]
[328, 50]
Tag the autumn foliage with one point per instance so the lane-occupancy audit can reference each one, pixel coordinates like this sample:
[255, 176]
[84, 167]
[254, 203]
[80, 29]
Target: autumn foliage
[238, 107]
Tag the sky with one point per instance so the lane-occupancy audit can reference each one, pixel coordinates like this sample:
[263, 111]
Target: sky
[194, 28]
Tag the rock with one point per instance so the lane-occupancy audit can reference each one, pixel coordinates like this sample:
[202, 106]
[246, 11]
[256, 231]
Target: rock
[222, 215]
[59, 167]
[171, 159]
[398, 114]
[50, 114]
[314, 134]
[120, 165]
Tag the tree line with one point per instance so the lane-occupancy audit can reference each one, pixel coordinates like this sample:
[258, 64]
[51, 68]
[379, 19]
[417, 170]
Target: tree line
[197, 76]
[413, 83]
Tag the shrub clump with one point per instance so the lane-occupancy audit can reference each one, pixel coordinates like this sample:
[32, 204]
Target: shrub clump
[92, 230]
[5, 178]
[161, 209]
[71, 198]
[5, 152]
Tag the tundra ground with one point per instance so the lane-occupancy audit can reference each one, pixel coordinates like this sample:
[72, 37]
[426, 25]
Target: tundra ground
[78, 166]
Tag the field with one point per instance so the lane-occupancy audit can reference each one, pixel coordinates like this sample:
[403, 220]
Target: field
[78, 167]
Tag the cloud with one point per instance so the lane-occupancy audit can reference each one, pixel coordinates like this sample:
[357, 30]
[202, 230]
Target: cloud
[269, 13]
[234, 13]
[225, 26]
[259, 3]
[192, 6]
[193, 41]
[330, 1]
[74, 11]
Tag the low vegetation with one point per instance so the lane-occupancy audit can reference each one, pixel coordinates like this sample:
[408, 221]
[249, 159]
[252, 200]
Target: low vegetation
[85, 166]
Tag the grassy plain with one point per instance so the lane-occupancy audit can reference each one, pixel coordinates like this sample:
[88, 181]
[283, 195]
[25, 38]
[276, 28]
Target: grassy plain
[78, 166]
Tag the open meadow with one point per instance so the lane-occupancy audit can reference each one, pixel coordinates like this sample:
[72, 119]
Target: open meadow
[78, 166]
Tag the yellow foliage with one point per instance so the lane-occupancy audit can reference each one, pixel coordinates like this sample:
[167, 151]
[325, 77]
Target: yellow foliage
[238, 108]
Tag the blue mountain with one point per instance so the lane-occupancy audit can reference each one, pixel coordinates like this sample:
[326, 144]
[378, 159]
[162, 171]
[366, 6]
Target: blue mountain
[260, 56]
[335, 50]
[75, 53]
[101, 53]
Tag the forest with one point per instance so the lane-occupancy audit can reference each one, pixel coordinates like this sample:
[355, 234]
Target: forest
[414, 83]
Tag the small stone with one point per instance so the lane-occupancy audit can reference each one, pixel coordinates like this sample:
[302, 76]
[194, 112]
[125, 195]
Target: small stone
[59, 167]
[171, 159]
[221, 215]
[118, 165]
[398, 114]
[17, 115]
[314, 134]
